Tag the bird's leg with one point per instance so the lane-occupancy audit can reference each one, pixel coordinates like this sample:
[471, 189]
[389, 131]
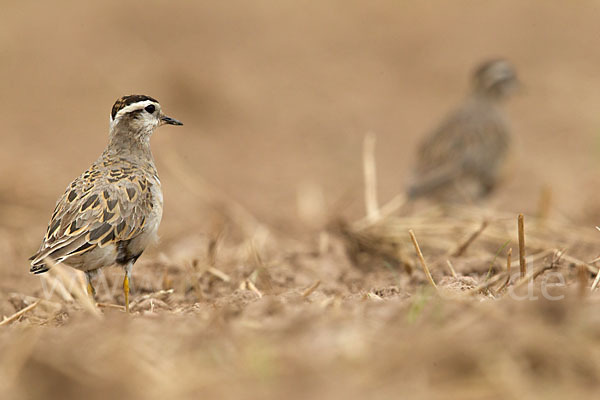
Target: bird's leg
[90, 288]
[126, 284]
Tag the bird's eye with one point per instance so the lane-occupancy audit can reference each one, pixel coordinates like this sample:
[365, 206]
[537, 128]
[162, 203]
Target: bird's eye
[150, 109]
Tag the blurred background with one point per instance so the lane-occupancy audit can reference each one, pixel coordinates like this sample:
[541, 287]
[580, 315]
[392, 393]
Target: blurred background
[276, 98]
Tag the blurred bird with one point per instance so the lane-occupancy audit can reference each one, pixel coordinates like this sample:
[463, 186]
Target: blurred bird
[463, 158]
[111, 212]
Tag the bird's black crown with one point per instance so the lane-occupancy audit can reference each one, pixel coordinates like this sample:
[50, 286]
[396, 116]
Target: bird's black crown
[127, 100]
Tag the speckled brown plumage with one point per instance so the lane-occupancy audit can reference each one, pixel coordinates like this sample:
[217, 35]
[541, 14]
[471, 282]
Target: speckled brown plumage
[111, 212]
[464, 157]
[108, 203]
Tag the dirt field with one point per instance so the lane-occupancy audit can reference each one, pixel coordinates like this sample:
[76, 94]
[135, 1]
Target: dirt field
[256, 289]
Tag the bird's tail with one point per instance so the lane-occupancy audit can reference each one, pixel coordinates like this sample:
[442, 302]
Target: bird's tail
[38, 267]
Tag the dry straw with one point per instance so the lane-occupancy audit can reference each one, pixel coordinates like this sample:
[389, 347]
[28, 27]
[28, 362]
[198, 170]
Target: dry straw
[370, 175]
[522, 261]
[550, 245]
[78, 291]
[19, 313]
[421, 258]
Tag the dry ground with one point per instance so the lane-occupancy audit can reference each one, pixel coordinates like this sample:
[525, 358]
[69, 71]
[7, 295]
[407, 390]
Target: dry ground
[253, 292]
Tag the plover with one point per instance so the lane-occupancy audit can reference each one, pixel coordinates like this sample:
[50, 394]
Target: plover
[111, 212]
[464, 157]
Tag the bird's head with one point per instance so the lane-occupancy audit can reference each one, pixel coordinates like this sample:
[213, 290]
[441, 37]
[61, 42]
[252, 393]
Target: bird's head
[138, 116]
[495, 79]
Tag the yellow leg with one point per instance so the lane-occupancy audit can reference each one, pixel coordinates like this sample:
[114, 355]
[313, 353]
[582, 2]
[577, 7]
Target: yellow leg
[91, 291]
[89, 275]
[126, 291]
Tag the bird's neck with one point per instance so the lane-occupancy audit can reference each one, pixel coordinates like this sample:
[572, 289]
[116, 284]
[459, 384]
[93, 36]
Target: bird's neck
[129, 144]
[489, 97]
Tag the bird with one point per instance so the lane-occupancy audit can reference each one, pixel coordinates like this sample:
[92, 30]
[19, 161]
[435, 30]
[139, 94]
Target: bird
[111, 212]
[464, 158]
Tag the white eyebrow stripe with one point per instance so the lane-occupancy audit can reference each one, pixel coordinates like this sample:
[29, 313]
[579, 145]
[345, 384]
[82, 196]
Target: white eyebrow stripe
[135, 106]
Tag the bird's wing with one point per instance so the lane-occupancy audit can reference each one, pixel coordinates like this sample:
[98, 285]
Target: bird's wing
[468, 142]
[95, 211]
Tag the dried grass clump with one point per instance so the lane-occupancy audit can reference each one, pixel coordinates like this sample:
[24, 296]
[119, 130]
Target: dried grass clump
[368, 248]
[474, 239]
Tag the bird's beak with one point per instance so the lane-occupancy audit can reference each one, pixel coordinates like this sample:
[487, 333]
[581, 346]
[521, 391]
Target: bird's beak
[168, 120]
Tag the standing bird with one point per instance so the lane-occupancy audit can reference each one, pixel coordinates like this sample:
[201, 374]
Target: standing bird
[463, 158]
[111, 212]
